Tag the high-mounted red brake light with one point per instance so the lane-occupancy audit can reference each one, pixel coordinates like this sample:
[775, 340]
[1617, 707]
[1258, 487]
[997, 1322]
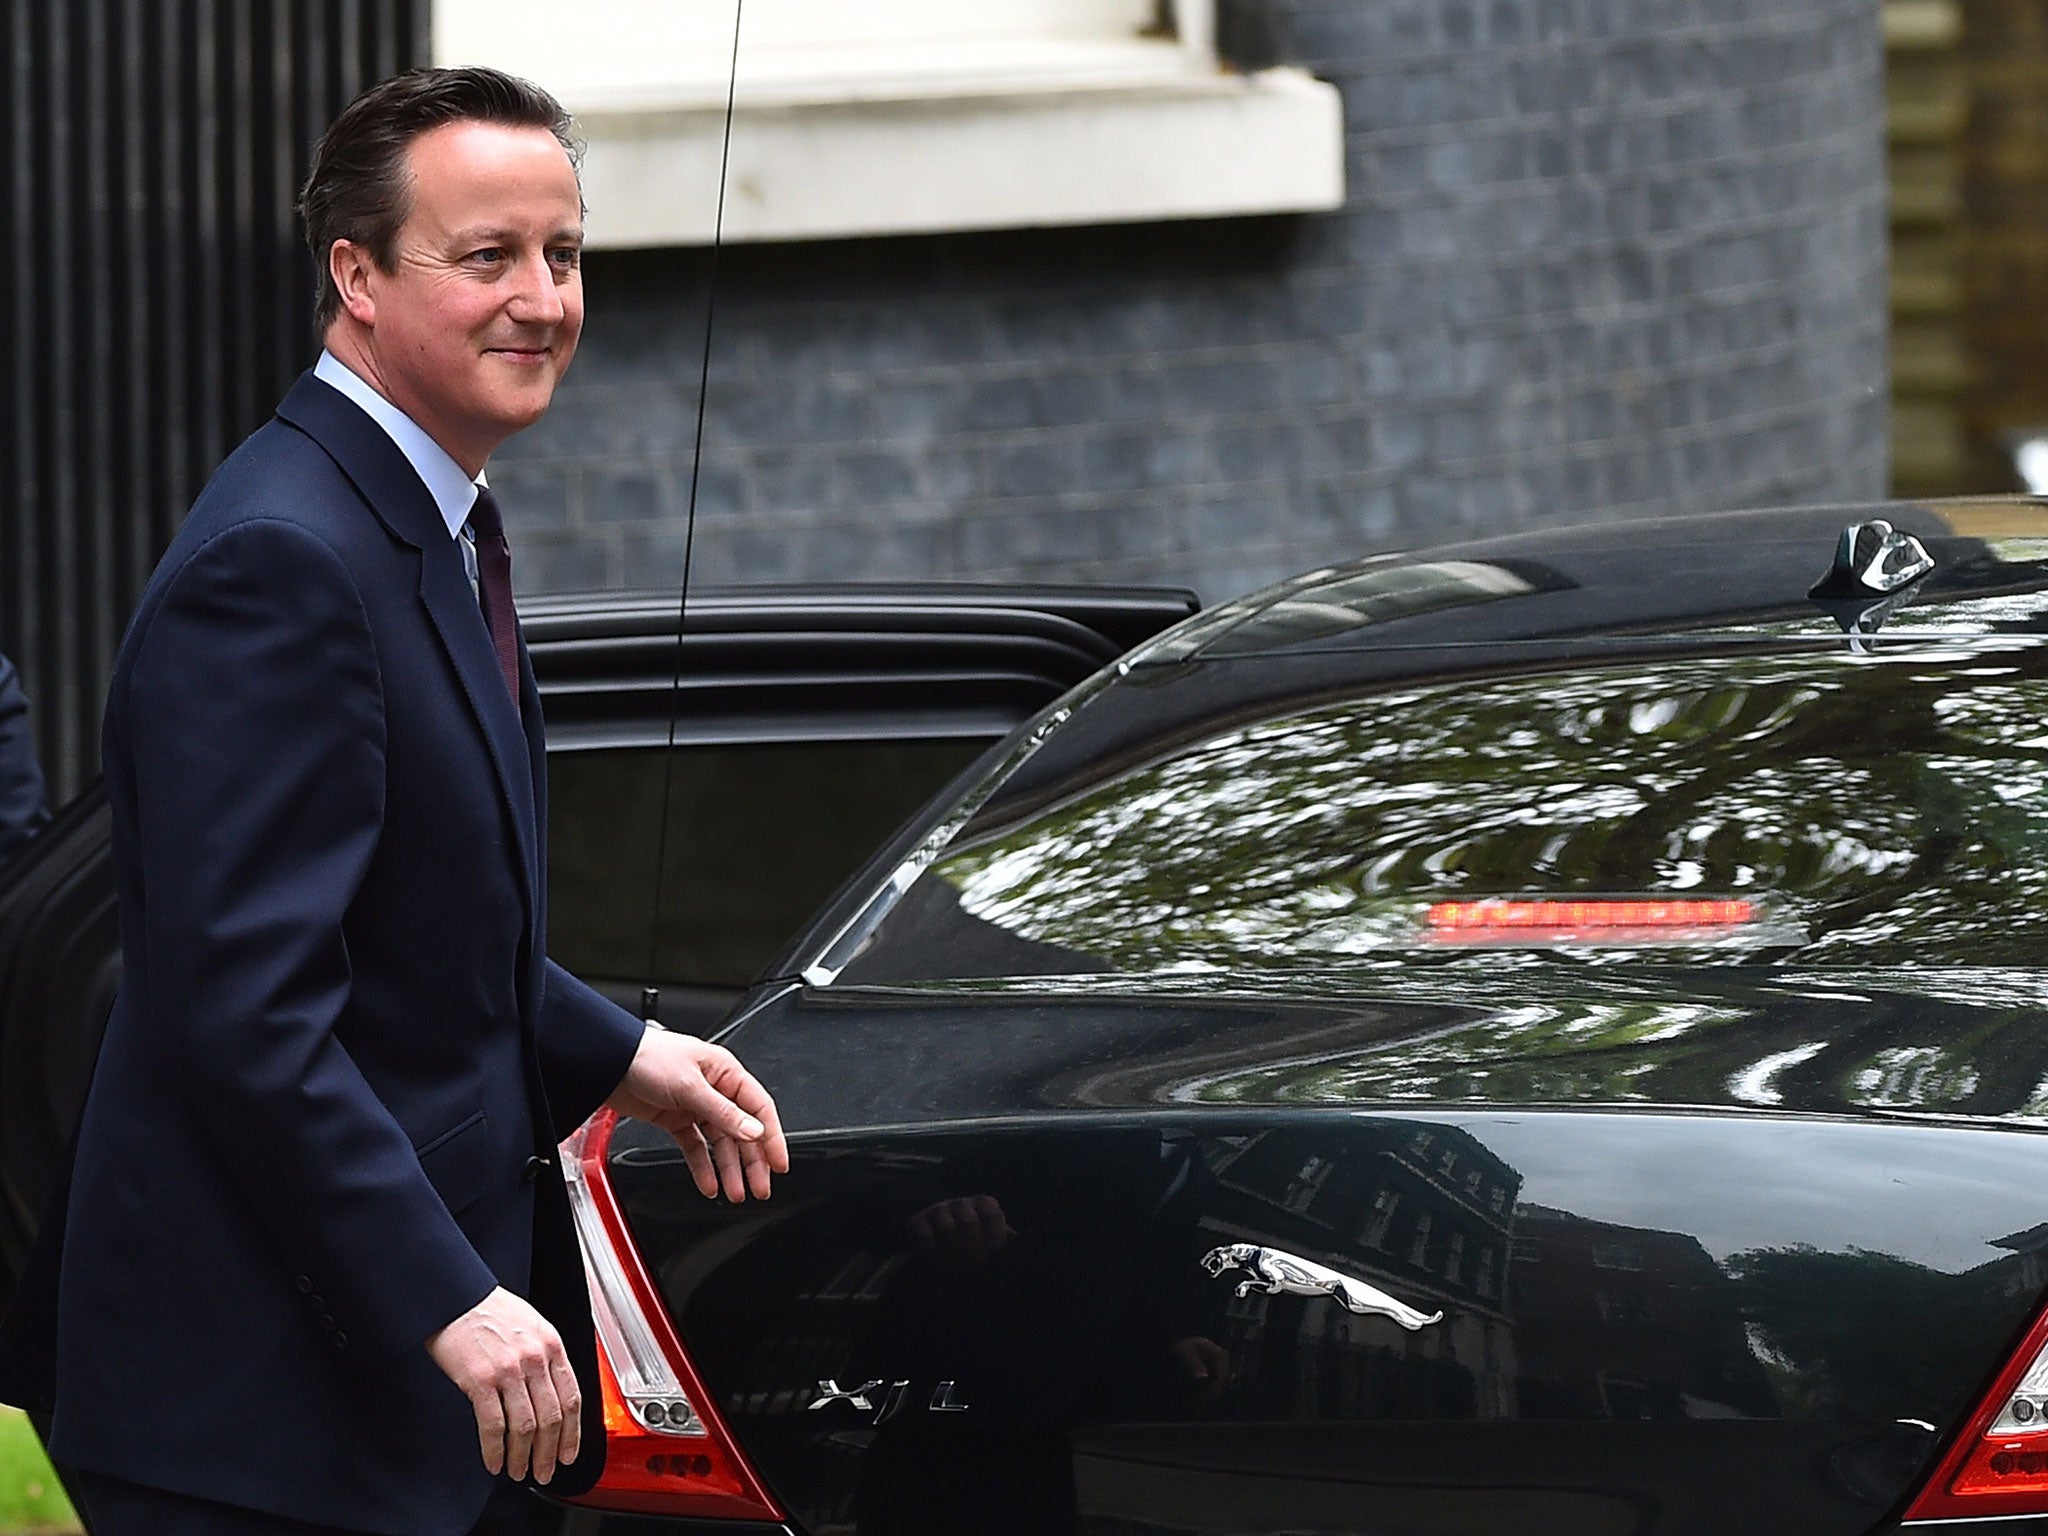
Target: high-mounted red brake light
[1602, 918]
[1999, 1464]
[667, 1452]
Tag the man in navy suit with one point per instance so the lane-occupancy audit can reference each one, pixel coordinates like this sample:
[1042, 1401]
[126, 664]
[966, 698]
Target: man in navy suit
[315, 1270]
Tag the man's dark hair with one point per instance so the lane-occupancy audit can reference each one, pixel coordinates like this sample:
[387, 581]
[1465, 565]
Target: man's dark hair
[359, 189]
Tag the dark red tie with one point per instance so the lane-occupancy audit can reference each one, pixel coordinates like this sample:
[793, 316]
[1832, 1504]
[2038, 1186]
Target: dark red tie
[494, 585]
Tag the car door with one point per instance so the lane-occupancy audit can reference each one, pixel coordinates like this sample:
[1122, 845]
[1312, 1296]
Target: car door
[731, 775]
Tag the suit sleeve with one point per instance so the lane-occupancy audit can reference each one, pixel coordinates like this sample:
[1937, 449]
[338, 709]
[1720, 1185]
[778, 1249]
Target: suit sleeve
[586, 1043]
[254, 718]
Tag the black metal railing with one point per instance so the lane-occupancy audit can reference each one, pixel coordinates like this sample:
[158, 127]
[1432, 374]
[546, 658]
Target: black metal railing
[158, 296]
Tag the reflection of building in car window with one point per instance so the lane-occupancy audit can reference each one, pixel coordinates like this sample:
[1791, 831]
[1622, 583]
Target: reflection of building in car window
[1617, 1256]
[22, 808]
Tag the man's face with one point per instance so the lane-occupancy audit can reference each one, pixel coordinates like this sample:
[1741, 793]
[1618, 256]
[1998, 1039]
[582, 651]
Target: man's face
[479, 316]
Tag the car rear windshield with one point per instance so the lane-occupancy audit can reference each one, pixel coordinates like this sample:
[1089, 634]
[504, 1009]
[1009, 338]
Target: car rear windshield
[1833, 807]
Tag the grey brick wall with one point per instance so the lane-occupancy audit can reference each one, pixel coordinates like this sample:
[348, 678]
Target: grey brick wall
[1599, 258]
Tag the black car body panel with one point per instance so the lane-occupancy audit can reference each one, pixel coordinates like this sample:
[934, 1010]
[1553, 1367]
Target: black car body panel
[1740, 1040]
[1738, 1278]
[1627, 1340]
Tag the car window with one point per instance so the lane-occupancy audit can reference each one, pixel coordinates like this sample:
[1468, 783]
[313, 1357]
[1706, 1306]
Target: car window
[1866, 809]
[757, 836]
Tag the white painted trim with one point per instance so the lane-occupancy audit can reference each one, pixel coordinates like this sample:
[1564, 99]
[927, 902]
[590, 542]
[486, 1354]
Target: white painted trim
[612, 49]
[1174, 149]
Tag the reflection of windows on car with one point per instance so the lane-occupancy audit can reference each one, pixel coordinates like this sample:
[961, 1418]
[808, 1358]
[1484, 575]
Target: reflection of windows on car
[1617, 1256]
[1307, 1184]
[886, 117]
[1384, 1205]
[1623, 1306]
[1418, 1250]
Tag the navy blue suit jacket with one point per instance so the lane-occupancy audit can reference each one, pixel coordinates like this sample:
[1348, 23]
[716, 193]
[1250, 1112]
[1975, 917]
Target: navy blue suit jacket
[338, 1041]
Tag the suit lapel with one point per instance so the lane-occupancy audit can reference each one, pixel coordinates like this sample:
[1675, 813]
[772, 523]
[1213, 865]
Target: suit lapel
[401, 501]
[451, 606]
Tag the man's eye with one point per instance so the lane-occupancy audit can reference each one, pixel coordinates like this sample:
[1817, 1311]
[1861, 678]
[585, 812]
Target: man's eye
[568, 258]
[489, 256]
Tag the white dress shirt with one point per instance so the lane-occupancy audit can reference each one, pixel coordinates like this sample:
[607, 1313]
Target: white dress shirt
[453, 491]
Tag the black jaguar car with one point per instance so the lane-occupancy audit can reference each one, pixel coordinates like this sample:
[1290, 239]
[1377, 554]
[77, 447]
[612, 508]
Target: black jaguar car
[1548, 1035]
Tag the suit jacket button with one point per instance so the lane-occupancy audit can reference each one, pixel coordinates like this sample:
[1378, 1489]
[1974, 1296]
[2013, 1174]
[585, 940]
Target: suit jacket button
[534, 1166]
[341, 1342]
[305, 1285]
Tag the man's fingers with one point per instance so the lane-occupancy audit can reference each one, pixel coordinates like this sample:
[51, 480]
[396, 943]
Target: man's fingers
[490, 1428]
[754, 1158]
[721, 1104]
[520, 1421]
[547, 1429]
[698, 1156]
[760, 1106]
[774, 1149]
[737, 1103]
[726, 1154]
[572, 1410]
[508, 1361]
[701, 1095]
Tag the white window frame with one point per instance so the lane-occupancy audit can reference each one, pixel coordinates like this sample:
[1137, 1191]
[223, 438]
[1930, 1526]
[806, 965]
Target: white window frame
[908, 116]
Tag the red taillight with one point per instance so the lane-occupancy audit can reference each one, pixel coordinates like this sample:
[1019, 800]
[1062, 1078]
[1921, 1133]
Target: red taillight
[1999, 1464]
[666, 1450]
[1598, 919]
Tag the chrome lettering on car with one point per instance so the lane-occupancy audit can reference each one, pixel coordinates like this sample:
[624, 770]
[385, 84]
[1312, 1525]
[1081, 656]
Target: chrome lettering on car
[830, 1392]
[1272, 1271]
[894, 1394]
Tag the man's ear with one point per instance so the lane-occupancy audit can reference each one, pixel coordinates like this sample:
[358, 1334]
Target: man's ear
[353, 272]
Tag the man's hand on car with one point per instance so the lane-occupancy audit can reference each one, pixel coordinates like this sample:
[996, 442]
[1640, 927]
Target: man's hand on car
[509, 1362]
[723, 1119]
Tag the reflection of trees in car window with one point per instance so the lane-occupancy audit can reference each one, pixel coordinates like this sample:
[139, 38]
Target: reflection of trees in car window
[1891, 808]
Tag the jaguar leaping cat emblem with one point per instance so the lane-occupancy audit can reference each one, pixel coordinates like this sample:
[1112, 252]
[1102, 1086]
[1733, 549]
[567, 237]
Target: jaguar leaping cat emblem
[1271, 1271]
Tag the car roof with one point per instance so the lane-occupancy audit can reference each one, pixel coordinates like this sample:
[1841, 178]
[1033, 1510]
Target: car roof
[1598, 595]
[1726, 571]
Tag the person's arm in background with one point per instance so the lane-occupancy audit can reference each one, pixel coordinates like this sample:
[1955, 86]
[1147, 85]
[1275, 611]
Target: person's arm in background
[23, 808]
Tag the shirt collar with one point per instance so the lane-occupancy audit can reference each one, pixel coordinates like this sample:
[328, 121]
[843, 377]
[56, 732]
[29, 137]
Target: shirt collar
[453, 491]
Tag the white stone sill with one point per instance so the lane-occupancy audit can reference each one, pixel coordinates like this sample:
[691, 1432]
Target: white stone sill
[1020, 152]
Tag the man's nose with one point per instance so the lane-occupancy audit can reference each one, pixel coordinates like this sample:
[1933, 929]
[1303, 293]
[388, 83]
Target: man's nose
[536, 296]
